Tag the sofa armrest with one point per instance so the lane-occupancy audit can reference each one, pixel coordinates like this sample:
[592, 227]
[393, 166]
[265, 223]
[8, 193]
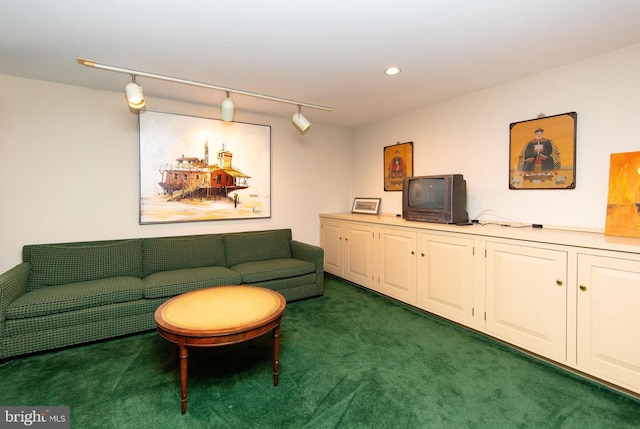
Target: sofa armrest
[13, 284]
[307, 252]
[313, 254]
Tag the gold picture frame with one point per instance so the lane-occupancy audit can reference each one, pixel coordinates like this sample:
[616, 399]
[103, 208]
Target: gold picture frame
[542, 152]
[398, 164]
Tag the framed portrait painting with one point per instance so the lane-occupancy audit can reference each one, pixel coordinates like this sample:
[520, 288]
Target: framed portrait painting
[542, 153]
[398, 164]
[200, 169]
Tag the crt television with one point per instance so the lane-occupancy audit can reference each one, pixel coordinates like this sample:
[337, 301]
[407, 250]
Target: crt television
[437, 199]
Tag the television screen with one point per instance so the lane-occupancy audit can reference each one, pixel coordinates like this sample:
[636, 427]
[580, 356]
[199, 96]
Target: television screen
[427, 193]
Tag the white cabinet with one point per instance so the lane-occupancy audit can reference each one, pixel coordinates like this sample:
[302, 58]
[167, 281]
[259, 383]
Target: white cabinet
[397, 264]
[360, 253]
[526, 297]
[331, 240]
[571, 297]
[609, 318]
[446, 276]
[348, 250]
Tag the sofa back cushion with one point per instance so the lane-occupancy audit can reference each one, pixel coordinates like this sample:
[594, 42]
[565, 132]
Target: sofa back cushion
[174, 253]
[56, 264]
[256, 246]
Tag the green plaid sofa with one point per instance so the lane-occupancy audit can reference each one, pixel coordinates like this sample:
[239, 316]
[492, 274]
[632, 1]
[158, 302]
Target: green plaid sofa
[71, 293]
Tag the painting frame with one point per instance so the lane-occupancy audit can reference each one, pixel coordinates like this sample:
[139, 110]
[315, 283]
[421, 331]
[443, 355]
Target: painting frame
[366, 205]
[196, 169]
[623, 196]
[542, 152]
[397, 164]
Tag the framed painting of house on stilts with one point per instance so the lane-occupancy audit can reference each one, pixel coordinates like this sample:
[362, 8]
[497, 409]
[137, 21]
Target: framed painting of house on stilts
[201, 169]
[542, 152]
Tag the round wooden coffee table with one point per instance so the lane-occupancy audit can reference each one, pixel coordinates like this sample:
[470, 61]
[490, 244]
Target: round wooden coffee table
[220, 316]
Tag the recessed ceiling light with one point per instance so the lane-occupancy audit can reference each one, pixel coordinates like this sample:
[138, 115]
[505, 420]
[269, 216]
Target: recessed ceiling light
[392, 71]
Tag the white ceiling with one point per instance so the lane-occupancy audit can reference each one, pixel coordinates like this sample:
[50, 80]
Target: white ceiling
[329, 52]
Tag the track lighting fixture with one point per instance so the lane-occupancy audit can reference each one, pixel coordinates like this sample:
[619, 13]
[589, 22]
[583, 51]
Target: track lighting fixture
[227, 109]
[134, 95]
[300, 121]
[136, 101]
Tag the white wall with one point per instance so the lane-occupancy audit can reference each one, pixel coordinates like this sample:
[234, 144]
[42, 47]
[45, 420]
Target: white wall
[69, 169]
[470, 135]
[69, 156]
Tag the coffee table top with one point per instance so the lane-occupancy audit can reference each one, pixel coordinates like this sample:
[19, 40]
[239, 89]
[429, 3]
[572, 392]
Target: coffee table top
[221, 309]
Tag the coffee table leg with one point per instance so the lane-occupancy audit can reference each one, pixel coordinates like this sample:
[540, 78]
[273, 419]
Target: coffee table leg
[276, 353]
[183, 355]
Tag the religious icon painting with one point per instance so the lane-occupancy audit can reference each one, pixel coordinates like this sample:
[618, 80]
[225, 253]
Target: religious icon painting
[398, 164]
[542, 153]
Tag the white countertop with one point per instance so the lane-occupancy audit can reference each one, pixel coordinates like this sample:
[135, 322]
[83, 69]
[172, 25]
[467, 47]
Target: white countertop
[577, 238]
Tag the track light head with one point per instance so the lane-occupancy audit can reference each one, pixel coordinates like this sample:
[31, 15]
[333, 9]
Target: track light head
[300, 121]
[134, 95]
[227, 109]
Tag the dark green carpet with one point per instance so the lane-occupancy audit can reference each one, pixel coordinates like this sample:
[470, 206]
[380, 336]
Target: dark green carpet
[349, 359]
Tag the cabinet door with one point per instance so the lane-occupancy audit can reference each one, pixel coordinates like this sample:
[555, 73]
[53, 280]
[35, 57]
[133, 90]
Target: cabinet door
[397, 277]
[445, 276]
[359, 261]
[609, 319]
[527, 297]
[331, 240]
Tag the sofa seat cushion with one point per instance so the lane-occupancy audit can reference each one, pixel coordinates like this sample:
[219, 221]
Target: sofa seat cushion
[176, 282]
[274, 269]
[75, 296]
[61, 264]
[175, 253]
[293, 288]
[103, 316]
[256, 246]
